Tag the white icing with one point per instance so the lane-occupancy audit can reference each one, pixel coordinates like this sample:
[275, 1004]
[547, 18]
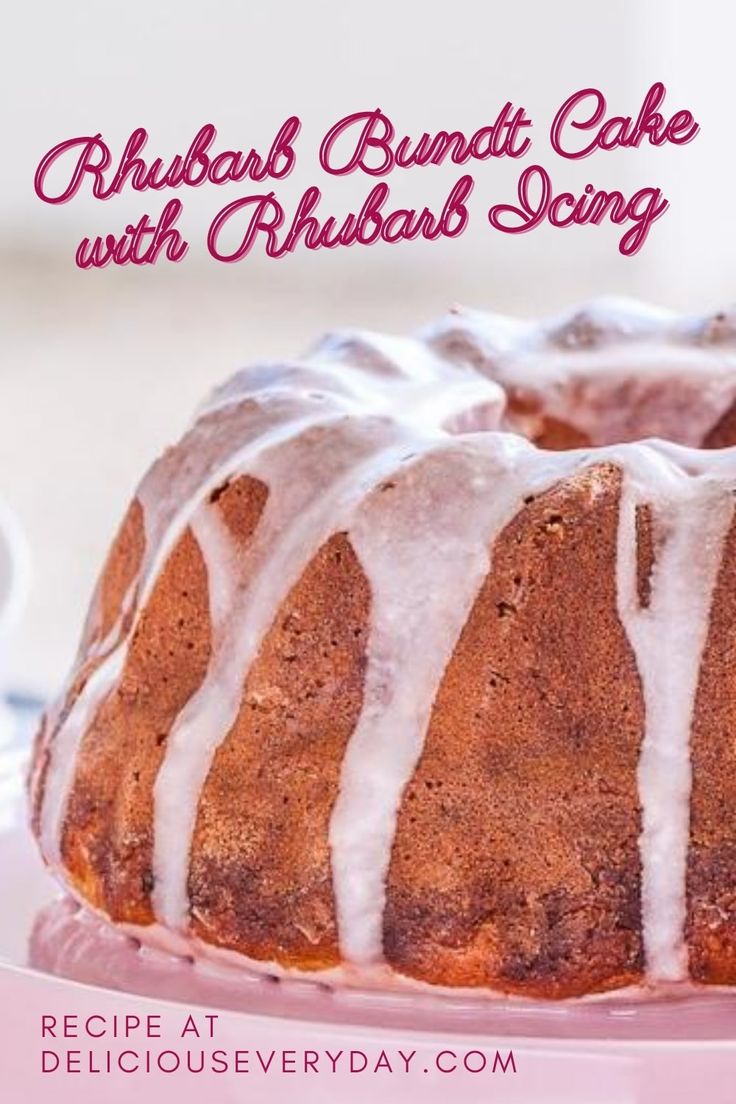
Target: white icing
[167, 499]
[422, 592]
[307, 496]
[63, 738]
[169, 495]
[67, 739]
[690, 518]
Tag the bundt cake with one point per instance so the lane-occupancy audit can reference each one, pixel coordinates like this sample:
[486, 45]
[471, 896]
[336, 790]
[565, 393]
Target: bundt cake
[408, 666]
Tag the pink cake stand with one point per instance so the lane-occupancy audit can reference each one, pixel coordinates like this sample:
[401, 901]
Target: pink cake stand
[56, 960]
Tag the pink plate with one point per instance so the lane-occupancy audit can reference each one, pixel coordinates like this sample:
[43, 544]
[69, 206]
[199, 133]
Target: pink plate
[298, 1040]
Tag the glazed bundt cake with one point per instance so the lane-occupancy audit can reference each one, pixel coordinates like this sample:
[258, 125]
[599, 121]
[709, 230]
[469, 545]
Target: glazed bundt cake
[407, 666]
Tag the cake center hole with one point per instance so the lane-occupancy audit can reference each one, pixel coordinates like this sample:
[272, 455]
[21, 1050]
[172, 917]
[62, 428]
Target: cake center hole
[584, 416]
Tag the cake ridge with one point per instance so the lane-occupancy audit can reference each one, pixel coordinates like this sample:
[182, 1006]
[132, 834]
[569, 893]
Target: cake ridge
[282, 552]
[453, 564]
[668, 636]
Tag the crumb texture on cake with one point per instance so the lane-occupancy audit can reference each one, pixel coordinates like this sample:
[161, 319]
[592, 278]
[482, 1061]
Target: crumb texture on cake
[414, 660]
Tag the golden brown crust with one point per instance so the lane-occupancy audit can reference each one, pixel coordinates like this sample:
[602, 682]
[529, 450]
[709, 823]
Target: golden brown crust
[526, 412]
[723, 433]
[646, 553]
[515, 864]
[711, 866]
[118, 575]
[260, 880]
[107, 840]
[551, 433]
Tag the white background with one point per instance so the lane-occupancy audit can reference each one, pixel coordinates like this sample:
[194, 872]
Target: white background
[99, 370]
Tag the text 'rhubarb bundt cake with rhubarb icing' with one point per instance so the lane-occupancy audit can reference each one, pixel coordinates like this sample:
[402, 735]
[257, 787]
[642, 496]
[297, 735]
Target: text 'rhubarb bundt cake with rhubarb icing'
[408, 666]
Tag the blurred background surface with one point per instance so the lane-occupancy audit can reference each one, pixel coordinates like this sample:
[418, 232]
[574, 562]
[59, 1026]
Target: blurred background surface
[99, 370]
